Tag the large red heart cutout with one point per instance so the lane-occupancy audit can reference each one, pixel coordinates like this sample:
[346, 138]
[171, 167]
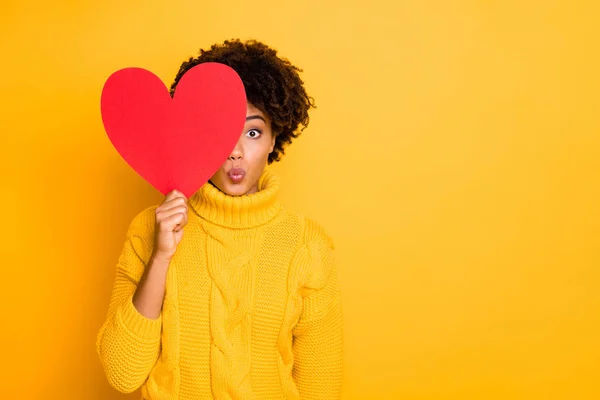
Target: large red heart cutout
[180, 142]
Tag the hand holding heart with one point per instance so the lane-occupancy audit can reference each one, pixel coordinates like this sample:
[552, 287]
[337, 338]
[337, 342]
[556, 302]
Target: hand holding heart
[180, 142]
[171, 218]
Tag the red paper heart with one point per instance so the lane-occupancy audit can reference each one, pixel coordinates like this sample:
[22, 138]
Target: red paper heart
[180, 142]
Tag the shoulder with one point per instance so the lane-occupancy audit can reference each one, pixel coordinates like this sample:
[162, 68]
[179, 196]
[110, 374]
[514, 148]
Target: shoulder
[316, 233]
[140, 233]
[143, 222]
[314, 258]
[307, 229]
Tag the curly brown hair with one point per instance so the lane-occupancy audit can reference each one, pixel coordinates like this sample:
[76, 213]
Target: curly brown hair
[272, 85]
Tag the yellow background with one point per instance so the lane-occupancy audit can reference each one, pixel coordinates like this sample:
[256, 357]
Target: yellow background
[453, 157]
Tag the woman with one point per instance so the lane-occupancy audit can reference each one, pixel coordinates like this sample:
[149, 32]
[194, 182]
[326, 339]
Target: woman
[227, 294]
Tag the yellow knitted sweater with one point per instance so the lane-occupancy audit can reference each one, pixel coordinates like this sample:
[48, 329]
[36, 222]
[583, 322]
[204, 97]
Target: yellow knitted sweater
[252, 306]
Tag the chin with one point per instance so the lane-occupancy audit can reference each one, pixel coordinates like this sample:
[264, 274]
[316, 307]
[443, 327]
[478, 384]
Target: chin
[228, 188]
[235, 190]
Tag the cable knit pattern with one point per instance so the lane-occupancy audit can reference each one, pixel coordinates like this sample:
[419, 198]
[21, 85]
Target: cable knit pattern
[252, 306]
[230, 299]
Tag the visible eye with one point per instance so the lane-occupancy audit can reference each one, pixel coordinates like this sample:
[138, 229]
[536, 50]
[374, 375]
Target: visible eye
[253, 133]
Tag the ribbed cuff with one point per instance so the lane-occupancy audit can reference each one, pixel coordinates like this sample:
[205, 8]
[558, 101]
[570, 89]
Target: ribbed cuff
[139, 325]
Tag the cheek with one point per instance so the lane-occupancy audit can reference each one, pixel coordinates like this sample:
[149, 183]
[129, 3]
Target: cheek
[259, 152]
[220, 175]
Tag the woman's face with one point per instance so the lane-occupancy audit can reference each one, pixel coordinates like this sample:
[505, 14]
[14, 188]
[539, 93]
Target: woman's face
[240, 172]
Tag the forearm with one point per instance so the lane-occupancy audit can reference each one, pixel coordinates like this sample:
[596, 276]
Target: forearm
[149, 295]
[128, 343]
[318, 356]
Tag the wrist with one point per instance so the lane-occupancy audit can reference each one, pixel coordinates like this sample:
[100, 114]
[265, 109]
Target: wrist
[160, 258]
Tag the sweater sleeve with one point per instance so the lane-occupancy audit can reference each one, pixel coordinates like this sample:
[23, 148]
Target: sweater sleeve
[318, 335]
[128, 343]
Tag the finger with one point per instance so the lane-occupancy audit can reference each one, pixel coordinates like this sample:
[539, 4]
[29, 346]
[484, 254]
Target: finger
[178, 228]
[185, 219]
[163, 216]
[182, 223]
[174, 202]
[172, 195]
[171, 222]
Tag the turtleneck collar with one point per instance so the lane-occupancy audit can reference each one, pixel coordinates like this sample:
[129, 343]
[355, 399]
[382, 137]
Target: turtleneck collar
[244, 211]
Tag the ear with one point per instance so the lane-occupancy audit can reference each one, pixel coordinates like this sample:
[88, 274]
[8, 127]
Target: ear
[272, 144]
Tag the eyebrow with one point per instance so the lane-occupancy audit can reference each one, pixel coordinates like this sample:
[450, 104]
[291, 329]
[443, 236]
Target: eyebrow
[251, 117]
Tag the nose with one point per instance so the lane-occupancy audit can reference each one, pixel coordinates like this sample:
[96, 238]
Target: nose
[237, 152]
